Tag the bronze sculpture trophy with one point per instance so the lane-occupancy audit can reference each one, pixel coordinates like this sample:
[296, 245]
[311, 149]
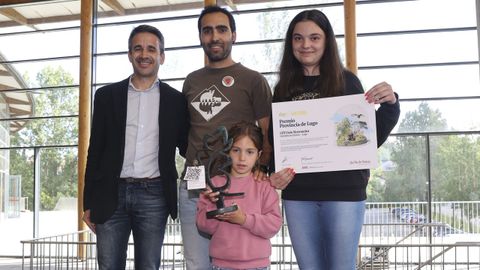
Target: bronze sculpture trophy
[218, 160]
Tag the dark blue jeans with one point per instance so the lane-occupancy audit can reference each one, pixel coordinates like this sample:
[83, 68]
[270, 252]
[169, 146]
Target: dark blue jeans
[141, 210]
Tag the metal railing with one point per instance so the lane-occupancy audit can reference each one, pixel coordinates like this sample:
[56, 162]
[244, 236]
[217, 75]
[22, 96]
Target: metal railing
[460, 255]
[391, 238]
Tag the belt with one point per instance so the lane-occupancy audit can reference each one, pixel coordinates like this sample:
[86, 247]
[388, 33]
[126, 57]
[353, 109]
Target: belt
[139, 180]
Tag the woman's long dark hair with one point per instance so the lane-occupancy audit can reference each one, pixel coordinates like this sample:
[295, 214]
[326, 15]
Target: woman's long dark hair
[291, 73]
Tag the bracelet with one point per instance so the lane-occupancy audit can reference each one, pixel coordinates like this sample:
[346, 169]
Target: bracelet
[263, 168]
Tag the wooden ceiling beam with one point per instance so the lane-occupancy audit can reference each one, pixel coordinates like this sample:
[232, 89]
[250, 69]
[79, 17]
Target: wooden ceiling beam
[16, 101]
[5, 87]
[19, 2]
[133, 11]
[19, 112]
[14, 15]
[16, 124]
[115, 5]
[4, 73]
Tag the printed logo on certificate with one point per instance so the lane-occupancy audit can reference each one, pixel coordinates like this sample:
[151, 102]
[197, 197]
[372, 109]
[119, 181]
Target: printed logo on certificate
[327, 134]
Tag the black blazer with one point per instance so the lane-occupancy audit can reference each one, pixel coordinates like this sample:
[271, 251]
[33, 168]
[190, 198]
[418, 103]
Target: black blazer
[107, 147]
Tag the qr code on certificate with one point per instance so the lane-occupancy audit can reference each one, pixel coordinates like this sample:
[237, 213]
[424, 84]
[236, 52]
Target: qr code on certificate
[193, 173]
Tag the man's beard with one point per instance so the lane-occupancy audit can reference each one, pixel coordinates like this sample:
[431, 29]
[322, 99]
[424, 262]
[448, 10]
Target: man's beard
[217, 57]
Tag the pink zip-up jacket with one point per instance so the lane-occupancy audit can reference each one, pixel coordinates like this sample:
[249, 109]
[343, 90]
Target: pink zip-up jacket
[248, 245]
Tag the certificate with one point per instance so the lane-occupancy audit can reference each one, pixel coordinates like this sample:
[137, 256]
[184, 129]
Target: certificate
[327, 134]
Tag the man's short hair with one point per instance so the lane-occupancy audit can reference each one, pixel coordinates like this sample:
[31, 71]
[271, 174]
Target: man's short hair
[214, 9]
[144, 28]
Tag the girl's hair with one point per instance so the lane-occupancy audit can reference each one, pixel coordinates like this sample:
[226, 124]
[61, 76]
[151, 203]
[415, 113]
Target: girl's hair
[250, 130]
[291, 70]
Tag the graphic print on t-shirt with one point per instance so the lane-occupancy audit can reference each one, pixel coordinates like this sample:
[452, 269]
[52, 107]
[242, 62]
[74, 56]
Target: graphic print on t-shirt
[210, 102]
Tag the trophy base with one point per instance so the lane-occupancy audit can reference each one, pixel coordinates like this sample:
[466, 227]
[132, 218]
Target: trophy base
[228, 209]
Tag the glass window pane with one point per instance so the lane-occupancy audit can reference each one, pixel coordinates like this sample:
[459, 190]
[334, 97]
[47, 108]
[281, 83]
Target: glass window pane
[274, 24]
[16, 199]
[456, 167]
[39, 70]
[49, 131]
[145, 14]
[455, 177]
[63, 72]
[178, 64]
[417, 48]
[176, 84]
[402, 174]
[272, 80]
[58, 200]
[62, 101]
[286, 4]
[425, 82]
[413, 15]
[34, 45]
[439, 115]
[260, 57]
[114, 38]
[13, 28]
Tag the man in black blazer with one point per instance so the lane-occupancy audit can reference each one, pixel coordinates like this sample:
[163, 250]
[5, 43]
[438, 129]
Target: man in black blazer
[131, 177]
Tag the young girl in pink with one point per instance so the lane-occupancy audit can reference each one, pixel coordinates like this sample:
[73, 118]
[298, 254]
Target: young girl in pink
[241, 239]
